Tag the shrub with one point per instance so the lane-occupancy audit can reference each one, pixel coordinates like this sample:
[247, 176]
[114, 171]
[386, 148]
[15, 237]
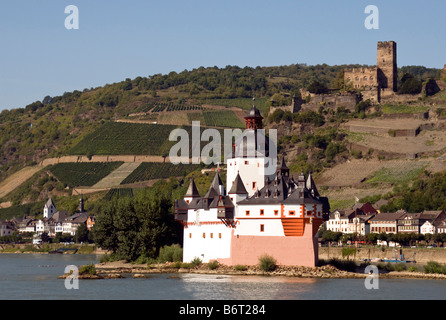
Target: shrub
[89, 268]
[171, 253]
[347, 265]
[434, 267]
[240, 267]
[347, 252]
[413, 269]
[196, 262]
[267, 263]
[213, 265]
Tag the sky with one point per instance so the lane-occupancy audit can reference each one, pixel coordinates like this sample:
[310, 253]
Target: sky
[121, 39]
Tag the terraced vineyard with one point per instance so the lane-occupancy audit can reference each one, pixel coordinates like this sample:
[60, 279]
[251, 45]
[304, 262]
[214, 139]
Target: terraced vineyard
[122, 138]
[223, 118]
[82, 173]
[118, 193]
[118, 138]
[155, 170]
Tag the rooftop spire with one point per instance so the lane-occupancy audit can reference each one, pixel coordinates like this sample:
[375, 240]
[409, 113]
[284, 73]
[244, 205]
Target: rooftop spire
[192, 191]
[237, 186]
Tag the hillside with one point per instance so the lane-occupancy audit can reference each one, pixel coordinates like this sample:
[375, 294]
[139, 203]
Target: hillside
[130, 122]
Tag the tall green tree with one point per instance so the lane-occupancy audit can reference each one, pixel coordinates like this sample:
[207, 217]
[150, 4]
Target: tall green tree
[134, 227]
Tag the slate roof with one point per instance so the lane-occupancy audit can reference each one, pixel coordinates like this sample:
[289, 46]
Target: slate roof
[49, 203]
[387, 216]
[238, 187]
[192, 191]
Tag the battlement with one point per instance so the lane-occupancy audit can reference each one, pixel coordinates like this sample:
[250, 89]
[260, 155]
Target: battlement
[360, 70]
[382, 44]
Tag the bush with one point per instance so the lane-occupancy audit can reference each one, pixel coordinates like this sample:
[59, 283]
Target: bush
[89, 268]
[267, 263]
[346, 265]
[213, 265]
[196, 262]
[240, 267]
[347, 252]
[434, 267]
[171, 253]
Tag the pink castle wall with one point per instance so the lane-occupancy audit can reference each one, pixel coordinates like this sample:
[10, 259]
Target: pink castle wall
[288, 251]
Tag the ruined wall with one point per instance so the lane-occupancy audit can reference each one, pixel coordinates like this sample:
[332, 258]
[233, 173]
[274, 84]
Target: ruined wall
[333, 100]
[361, 77]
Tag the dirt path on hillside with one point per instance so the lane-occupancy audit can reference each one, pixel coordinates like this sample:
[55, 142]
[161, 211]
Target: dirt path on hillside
[16, 179]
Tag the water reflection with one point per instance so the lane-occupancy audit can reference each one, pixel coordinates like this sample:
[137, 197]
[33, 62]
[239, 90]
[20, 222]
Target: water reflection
[211, 287]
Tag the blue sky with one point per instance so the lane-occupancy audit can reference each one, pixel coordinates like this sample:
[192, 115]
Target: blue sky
[125, 39]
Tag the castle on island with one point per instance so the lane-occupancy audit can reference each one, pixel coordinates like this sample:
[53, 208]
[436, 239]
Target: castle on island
[256, 212]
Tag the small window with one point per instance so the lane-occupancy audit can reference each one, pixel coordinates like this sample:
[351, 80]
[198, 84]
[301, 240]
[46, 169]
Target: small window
[276, 212]
[254, 185]
[246, 162]
[247, 212]
[190, 235]
[262, 228]
[204, 235]
[291, 213]
[219, 235]
[262, 212]
[212, 236]
[187, 201]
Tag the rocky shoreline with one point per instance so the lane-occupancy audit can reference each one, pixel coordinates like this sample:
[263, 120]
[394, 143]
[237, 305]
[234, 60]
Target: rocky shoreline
[114, 270]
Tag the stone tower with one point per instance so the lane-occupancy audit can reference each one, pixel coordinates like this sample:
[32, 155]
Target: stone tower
[386, 63]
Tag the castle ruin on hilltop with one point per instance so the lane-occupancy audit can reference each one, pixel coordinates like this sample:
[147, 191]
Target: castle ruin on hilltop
[380, 80]
[374, 83]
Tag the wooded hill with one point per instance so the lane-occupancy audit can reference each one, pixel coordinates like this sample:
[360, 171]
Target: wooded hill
[83, 122]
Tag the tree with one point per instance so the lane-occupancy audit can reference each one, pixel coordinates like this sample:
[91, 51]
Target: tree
[410, 85]
[133, 227]
[317, 88]
[81, 233]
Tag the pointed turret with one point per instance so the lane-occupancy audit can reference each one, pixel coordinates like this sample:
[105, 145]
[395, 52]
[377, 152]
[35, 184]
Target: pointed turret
[283, 171]
[192, 191]
[217, 184]
[311, 186]
[237, 186]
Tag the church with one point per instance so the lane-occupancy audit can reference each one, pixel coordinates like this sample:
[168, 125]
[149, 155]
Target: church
[259, 211]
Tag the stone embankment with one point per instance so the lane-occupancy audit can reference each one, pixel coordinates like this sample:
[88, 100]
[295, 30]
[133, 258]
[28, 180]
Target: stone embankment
[115, 270]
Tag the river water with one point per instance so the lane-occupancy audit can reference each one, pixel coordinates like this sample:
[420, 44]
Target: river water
[34, 277]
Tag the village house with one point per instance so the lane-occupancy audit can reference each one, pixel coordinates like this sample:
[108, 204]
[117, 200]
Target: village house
[6, 228]
[350, 222]
[412, 222]
[385, 222]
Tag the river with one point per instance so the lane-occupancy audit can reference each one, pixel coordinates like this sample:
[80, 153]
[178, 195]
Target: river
[34, 277]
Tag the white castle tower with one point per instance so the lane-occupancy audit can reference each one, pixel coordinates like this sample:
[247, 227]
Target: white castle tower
[253, 157]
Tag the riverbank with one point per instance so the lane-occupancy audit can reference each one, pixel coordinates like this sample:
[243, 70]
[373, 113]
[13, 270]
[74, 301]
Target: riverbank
[120, 269]
[52, 248]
